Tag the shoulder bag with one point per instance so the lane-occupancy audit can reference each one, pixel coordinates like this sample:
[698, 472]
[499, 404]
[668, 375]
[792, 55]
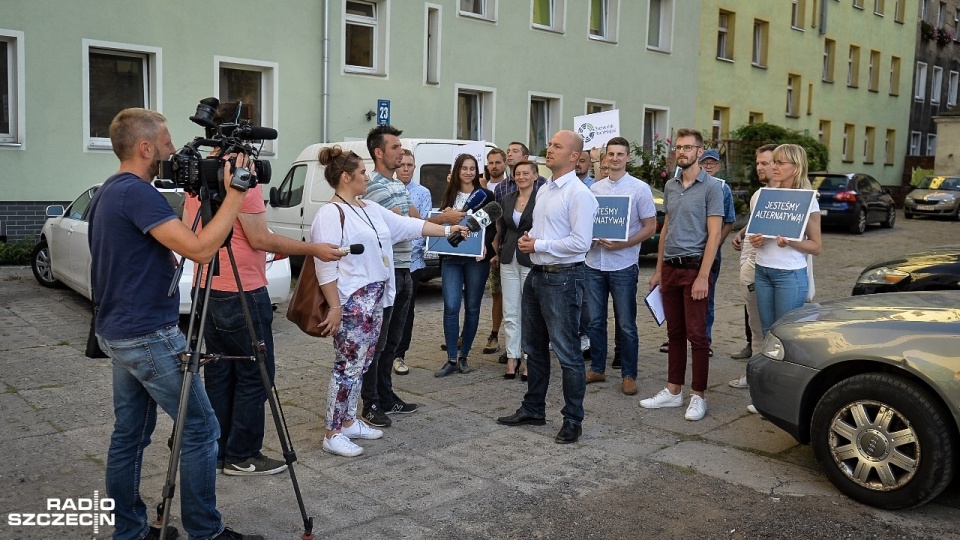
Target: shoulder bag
[308, 307]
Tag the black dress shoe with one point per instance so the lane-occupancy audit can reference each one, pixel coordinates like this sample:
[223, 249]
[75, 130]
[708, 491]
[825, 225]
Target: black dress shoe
[520, 418]
[462, 366]
[447, 369]
[569, 433]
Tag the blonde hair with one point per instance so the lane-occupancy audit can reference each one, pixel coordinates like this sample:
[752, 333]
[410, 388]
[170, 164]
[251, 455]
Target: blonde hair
[130, 126]
[797, 155]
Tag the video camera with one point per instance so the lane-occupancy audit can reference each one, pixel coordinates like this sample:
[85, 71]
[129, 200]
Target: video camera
[191, 171]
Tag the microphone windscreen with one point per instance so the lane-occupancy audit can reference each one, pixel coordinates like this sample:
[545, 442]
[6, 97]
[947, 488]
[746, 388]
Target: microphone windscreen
[494, 210]
[475, 200]
[356, 249]
[257, 133]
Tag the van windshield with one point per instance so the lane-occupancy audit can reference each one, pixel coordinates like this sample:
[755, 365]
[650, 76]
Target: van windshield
[433, 176]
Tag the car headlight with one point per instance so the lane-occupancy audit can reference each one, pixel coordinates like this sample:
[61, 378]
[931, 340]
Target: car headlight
[882, 275]
[948, 198]
[772, 347]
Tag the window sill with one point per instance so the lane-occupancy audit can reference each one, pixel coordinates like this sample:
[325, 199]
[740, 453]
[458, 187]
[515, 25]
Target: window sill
[865, 162]
[475, 16]
[728, 60]
[550, 29]
[888, 164]
[658, 49]
[853, 87]
[874, 90]
[797, 28]
[11, 144]
[791, 115]
[602, 39]
[362, 71]
[894, 94]
[828, 81]
[758, 66]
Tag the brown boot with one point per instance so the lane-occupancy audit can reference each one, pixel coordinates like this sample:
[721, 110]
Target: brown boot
[595, 377]
[628, 386]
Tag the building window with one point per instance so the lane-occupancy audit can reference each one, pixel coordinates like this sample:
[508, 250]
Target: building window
[914, 143]
[475, 113]
[853, 67]
[894, 75]
[869, 141]
[544, 121]
[754, 117]
[937, 86]
[656, 122]
[952, 88]
[760, 33]
[596, 106]
[364, 37]
[858, 4]
[481, 9]
[255, 85]
[721, 123]
[890, 147]
[11, 87]
[849, 142]
[797, 10]
[793, 95]
[725, 34]
[548, 15]
[878, 7]
[898, 10]
[118, 76]
[941, 15]
[660, 25]
[931, 144]
[873, 72]
[920, 93]
[603, 19]
[431, 68]
[956, 24]
[823, 133]
[923, 9]
[829, 54]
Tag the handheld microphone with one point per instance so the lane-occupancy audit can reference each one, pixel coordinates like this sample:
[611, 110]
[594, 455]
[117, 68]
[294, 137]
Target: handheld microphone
[478, 221]
[352, 249]
[475, 200]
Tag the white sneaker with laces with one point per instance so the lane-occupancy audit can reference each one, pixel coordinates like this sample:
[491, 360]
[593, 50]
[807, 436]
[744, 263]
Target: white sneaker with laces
[584, 343]
[340, 445]
[739, 383]
[751, 409]
[697, 408]
[400, 367]
[361, 430]
[663, 399]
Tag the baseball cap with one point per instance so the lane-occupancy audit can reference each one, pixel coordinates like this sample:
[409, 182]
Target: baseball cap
[710, 154]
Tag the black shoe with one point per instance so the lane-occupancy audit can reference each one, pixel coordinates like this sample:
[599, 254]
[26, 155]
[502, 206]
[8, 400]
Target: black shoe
[172, 533]
[443, 346]
[520, 418]
[230, 534]
[616, 362]
[449, 368]
[502, 359]
[400, 407]
[462, 366]
[375, 417]
[586, 355]
[569, 433]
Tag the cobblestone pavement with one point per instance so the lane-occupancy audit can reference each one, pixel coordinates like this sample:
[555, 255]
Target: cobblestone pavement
[449, 471]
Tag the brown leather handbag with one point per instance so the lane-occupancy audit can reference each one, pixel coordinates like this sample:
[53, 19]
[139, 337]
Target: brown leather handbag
[308, 307]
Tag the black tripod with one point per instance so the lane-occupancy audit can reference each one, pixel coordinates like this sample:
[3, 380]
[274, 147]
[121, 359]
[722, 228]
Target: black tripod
[190, 366]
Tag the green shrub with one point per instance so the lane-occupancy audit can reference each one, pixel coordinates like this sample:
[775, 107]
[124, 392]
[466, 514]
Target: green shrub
[16, 253]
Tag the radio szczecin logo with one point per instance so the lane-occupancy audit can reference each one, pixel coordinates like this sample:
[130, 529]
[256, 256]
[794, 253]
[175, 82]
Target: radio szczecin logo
[81, 512]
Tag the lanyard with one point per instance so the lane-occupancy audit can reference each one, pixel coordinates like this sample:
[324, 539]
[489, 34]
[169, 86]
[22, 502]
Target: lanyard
[368, 221]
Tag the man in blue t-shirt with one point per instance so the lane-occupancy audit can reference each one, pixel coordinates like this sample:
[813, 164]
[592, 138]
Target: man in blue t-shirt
[132, 232]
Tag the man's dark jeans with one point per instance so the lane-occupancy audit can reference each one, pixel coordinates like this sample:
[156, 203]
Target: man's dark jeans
[234, 387]
[377, 386]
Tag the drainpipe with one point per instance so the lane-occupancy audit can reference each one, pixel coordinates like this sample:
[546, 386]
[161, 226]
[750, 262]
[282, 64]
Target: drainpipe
[325, 97]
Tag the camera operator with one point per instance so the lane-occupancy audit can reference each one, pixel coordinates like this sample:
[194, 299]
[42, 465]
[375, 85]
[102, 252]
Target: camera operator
[132, 232]
[234, 386]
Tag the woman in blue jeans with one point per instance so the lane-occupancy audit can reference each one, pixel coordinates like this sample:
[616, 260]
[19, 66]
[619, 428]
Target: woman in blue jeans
[464, 278]
[780, 279]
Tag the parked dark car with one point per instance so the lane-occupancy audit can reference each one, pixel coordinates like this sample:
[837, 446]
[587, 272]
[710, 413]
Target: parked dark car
[935, 269]
[649, 246]
[934, 196]
[853, 201]
[870, 382]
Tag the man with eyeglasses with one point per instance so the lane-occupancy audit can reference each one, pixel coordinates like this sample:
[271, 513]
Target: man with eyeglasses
[693, 204]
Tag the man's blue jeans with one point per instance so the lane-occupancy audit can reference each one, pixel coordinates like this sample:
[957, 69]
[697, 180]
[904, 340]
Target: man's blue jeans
[464, 280]
[622, 286]
[550, 313]
[778, 291]
[146, 373]
[234, 387]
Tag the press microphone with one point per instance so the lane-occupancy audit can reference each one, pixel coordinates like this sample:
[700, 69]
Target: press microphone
[353, 249]
[249, 133]
[485, 216]
[475, 200]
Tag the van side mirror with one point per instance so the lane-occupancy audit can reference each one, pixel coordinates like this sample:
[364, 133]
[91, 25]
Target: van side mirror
[274, 197]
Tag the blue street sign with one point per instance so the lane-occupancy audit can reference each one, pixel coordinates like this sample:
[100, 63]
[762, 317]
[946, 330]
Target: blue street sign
[383, 112]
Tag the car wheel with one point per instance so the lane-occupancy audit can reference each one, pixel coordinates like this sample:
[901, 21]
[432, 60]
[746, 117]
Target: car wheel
[891, 218]
[882, 441]
[42, 267]
[860, 224]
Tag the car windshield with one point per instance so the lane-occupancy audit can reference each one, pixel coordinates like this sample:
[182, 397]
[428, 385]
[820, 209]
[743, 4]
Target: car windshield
[948, 183]
[829, 182]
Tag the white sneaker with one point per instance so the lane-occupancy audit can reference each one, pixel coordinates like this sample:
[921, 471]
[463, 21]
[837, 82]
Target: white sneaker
[361, 430]
[697, 408]
[752, 409]
[739, 383]
[340, 445]
[400, 367]
[663, 399]
[584, 343]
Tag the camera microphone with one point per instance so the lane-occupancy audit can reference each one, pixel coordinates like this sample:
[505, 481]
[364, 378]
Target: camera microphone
[249, 133]
[352, 249]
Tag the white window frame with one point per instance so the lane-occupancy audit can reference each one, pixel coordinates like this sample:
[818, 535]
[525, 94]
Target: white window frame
[611, 21]
[790, 97]
[558, 20]
[153, 89]
[941, 14]
[931, 144]
[878, 7]
[895, 64]
[381, 37]
[888, 150]
[923, 9]
[487, 103]
[873, 72]
[869, 144]
[914, 143]
[829, 53]
[488, 10]
[270, 88]
[724, 38]
[657, 111]
[16, 106]
[438, 45]
[665, 26]
[605, 104]
[920, 90]
[796, 15]
[554, 116]
[757, 56]
[936, 85]
[952, 83]
[858, 4]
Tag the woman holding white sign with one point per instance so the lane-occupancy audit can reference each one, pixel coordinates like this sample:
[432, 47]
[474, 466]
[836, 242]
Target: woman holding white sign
[780, 277]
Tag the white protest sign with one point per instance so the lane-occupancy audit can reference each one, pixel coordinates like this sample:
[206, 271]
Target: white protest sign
[597, 128]
[477, 149]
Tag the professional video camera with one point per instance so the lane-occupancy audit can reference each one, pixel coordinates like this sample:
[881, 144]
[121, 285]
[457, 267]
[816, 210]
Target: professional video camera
[190, 170]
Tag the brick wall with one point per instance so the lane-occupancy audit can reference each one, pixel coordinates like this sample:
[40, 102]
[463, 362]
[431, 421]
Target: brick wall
[21, 220]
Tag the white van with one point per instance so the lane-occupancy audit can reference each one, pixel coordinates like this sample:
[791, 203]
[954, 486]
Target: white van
[295, 200]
